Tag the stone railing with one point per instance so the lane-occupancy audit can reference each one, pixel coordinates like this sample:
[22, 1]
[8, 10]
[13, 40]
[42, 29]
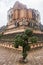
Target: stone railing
[11, 46]
[38, 45]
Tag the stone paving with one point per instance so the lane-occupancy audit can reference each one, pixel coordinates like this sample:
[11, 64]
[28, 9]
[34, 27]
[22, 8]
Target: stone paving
[11, 57]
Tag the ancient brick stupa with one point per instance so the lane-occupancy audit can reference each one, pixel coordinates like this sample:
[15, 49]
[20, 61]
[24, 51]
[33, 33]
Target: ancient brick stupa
[20, 17]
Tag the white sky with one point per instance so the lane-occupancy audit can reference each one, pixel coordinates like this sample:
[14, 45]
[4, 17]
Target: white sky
[6, 4]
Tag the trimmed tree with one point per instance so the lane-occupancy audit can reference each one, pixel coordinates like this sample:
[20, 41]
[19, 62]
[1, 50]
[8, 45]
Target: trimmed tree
[23, 40]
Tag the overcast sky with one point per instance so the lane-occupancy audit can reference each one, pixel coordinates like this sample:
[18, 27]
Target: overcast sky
[6, 4]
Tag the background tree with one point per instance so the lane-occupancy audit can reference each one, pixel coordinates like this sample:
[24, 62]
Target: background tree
[1, 35]
[23, 40]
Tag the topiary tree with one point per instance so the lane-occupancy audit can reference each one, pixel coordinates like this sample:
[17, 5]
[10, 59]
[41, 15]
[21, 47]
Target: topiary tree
[22, 40]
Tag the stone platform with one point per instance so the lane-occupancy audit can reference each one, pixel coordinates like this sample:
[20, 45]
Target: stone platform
[11, 57]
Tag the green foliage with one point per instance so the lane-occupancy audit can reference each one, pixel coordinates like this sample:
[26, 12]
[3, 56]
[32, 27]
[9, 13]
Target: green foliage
[25, 37]
[33, 39]
[28, 32]
[19, 41]
[17, 36]
[16, 43]
[1, 36]
[22, 40]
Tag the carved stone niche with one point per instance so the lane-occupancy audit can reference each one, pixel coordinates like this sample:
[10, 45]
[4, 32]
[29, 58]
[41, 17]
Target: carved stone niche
[16, 23]
[20, 23]
[24, 22]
